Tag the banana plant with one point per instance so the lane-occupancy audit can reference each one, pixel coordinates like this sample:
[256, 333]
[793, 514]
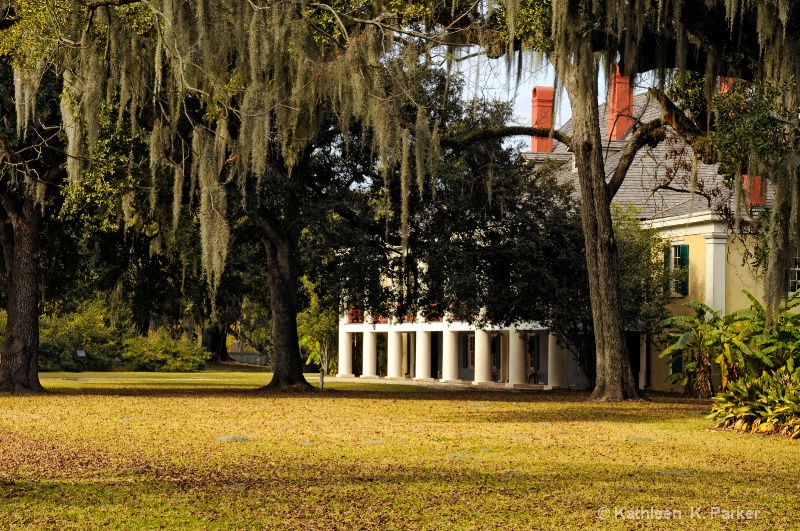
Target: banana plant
[694, 340]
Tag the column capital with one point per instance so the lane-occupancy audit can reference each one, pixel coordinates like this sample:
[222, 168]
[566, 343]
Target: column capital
[715, 236]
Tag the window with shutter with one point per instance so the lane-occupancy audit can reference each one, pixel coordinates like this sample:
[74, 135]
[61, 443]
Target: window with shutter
[677, 258]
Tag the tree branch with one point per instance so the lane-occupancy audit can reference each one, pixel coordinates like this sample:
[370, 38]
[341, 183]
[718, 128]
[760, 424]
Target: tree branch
[681, 190]
[268, 224]
[648, 134]
[461, 142]
[686, 129]
[91, 5]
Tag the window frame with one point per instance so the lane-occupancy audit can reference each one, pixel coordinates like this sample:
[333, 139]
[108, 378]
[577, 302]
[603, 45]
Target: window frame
[677, 259]
[793, 277]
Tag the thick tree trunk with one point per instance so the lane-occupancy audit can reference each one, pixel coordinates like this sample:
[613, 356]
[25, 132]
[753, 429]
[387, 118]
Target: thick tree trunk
[214, 340]
[614, 380]
[19, 353]
[282, 271]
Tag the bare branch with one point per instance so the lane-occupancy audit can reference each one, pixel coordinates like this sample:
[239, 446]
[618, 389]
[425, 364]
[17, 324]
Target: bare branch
[682, 191]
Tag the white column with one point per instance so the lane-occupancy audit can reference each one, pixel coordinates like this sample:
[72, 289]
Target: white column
[345, 354]
[556, 371]
[716, 257]
[394, 365]
[450, 356]
[422, 363]
[503, 368]
[517, 366]
[370, 355]
[483, 356]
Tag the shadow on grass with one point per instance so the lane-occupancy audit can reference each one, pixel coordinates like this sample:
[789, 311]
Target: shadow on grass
[475, 405]
[450, 493]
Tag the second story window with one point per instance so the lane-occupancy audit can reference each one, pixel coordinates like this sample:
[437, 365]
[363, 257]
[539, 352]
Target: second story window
[676, 259]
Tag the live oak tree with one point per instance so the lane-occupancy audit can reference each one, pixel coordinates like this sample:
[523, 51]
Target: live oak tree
[30, 161]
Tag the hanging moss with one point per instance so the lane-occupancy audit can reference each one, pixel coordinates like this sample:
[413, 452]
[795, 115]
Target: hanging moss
[71, 123]
[214, 229]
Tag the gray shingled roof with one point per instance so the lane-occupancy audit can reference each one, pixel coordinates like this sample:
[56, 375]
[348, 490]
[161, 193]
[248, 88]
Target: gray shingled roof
[653, 166]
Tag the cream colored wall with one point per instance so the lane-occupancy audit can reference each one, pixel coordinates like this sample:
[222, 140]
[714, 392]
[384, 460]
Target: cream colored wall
[660, 370]
[739, 276]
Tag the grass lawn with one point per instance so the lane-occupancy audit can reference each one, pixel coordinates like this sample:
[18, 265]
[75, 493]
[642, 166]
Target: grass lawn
[206, 451]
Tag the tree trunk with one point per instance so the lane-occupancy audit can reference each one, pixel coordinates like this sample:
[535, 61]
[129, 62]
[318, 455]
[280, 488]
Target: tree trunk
[705, 388]
[214, 340]
[19, 353]
[614, 380]
[282, 274]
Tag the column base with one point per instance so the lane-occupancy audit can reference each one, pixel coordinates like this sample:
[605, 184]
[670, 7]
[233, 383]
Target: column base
[443, 380]
[486, 382]
[556, 388]
[340, 375]
[397, 378]
[369, 376]
[424, 379]
[524, 386]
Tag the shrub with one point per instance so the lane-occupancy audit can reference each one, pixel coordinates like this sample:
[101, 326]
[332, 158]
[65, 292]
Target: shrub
[743, 343]
[159, 352]
[769, 403]
[87, 329]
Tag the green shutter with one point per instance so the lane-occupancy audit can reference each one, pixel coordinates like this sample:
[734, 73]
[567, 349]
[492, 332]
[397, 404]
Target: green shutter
[684, 288]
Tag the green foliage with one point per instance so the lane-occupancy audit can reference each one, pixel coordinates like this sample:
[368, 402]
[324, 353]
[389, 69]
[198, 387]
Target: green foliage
[105, 199]
[743, 343]
[689, 94]
[109, 339]
[255, 325]
[694, 344]
[769, 403]
[533, 24]
[90, 329]
[161, 353]
[318, 329]
[642, 278]
[751, 134]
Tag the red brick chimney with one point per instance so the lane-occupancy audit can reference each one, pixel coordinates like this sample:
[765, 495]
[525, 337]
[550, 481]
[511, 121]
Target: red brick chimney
[620, 105]
[756, 190]
[542, 116]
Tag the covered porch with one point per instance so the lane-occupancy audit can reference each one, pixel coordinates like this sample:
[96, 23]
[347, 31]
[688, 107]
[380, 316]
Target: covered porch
[520, 356]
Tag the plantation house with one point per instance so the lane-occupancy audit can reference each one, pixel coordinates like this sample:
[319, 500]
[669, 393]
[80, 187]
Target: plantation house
[658, 184]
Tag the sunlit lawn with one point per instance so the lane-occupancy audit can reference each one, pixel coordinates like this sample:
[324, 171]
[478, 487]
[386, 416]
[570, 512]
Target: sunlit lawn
[204, 450]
